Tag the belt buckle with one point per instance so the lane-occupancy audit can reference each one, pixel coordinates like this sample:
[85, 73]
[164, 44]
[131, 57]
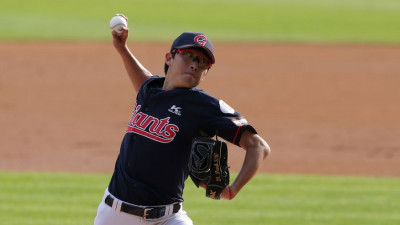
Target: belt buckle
[145, 213]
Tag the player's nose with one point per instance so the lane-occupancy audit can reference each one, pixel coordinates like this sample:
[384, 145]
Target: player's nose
[194, 65]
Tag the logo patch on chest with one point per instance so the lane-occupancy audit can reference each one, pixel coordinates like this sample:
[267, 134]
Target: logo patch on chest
[159, 130]
[175, 110]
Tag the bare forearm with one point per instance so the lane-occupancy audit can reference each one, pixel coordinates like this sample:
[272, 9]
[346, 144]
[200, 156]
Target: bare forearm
[254, 158]
[136, 71]
[257, 151]
[138, 74]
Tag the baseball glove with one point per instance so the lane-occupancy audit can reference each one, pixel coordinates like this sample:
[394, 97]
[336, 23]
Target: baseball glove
[209, 164]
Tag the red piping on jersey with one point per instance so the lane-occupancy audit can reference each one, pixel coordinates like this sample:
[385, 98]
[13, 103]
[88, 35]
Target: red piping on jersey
[237, 132]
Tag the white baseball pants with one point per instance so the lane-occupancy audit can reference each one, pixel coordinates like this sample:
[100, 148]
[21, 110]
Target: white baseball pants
[107, 215]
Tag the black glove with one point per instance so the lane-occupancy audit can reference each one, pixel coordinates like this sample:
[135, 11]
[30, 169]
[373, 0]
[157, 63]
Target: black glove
[208, 164]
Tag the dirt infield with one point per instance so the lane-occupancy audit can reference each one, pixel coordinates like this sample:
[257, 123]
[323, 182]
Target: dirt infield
[323, 109]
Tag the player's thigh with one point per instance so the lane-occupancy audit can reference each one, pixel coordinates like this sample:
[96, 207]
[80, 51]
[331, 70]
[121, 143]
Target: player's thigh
[104, 215]
[180, 218]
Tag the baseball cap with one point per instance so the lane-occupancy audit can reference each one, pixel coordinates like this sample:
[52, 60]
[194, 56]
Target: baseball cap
[194, 40]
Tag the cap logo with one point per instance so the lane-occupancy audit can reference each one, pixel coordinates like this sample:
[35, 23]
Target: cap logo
[200, 39]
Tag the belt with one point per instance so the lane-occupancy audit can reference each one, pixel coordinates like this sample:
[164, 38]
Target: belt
[147, 212]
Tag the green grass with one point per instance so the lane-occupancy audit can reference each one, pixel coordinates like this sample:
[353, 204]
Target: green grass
[60, 198]
[340, 21]
[44, 198]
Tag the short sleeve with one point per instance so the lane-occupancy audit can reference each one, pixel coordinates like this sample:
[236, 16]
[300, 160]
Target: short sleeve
[223, 121]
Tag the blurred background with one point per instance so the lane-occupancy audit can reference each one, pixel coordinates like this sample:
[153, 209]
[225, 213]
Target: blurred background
[318, 79]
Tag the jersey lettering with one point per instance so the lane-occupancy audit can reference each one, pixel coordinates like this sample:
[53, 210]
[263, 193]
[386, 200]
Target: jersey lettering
[151, 127]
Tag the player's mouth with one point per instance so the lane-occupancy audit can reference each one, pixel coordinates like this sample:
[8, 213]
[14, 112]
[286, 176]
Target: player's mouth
[190, 74]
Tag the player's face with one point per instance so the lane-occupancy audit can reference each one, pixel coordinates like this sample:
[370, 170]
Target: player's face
[187, 69]
[193, 55]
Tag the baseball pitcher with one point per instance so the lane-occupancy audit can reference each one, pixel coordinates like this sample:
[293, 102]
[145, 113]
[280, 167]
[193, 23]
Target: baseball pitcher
[175, 131]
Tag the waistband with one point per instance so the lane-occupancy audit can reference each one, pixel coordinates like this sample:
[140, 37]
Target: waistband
[147, 212]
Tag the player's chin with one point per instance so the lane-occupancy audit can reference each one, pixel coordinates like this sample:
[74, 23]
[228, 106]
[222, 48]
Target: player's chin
[189, 82]
[189, 76]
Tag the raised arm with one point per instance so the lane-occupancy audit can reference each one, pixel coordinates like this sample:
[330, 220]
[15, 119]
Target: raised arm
[138, 74]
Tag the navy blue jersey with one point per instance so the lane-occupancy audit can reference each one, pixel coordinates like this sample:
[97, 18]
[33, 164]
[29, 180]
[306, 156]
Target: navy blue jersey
[152, 165]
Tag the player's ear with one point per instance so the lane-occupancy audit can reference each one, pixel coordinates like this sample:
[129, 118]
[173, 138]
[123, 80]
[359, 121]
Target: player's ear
[168, 58]
[204, 74]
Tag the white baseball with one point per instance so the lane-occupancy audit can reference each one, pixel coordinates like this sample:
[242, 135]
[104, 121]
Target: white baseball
[117, 23]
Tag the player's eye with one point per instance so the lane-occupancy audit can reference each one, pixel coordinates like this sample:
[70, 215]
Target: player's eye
[191, 56]
[187, 55]
[203, 61]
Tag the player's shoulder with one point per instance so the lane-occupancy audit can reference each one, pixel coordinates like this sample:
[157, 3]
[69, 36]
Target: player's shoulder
[204, 98]
[202, 95]
[152, 81]
[155, 79]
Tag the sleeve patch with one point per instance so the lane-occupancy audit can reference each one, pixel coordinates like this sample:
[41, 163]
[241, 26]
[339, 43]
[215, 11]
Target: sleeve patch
[225, 108]
[240, 122]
